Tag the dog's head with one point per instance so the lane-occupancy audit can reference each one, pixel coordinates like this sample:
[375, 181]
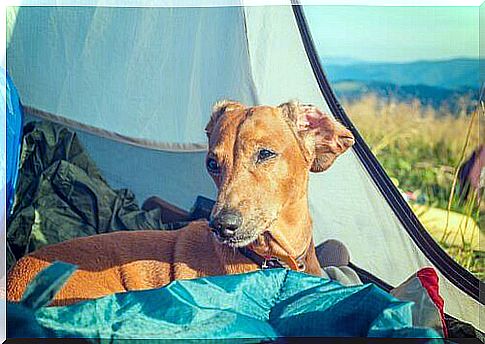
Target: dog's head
[259, 158]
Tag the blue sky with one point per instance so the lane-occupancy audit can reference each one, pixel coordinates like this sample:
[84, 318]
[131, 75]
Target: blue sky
[396, 34]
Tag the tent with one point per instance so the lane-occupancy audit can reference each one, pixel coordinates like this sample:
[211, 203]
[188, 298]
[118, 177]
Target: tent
[137, 85]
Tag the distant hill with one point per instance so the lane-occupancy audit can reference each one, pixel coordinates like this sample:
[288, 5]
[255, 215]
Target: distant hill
[432, 82]
[449, 74]
[433, 96]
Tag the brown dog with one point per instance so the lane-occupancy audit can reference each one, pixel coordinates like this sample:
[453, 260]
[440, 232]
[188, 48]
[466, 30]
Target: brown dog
[259, 158]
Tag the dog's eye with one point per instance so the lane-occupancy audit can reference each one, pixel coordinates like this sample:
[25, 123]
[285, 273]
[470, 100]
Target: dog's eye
[265, 154]
[212, 165]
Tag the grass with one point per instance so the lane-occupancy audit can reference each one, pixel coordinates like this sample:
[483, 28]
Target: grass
[421, 148]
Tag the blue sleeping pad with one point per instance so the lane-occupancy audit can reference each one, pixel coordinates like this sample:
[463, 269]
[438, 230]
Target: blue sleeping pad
[261, 305]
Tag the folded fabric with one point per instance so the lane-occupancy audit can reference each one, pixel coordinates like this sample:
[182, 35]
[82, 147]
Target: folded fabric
[261, 305]
[422, 288]
[62, 195]
[342, 274]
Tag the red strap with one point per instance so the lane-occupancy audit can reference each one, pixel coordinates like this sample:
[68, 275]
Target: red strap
[430, 281]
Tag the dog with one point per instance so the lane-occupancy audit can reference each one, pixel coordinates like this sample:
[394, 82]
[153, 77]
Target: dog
[259, 158]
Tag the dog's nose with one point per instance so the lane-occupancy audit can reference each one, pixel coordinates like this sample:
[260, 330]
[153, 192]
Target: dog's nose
[226, 222]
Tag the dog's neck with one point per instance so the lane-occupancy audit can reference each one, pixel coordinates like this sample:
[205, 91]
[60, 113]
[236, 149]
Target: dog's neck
[290, 234]
[289, 238]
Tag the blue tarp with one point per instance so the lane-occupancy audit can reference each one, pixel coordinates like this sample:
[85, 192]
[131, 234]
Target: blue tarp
[265, 304]
[14, 140]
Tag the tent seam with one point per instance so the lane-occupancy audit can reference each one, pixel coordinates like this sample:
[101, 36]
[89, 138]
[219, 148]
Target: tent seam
[253, 87]
[114, 136]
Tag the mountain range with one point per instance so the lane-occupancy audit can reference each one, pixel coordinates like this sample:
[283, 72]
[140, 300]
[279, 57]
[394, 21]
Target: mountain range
[432, 82]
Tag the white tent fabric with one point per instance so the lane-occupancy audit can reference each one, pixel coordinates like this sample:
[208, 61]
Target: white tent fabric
[101, 63]
[153, 74]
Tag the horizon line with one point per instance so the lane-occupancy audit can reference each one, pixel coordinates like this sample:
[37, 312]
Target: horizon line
[350, 59]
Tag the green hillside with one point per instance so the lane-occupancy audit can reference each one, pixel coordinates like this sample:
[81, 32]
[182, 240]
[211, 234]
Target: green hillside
[348, 90]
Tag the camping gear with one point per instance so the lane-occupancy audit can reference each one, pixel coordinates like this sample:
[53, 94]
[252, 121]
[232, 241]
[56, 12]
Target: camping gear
[11, 151]
[332, 253]
[202, 208]
[14, 124]
[21, 315]
[141, 108]
[342, 274]
[471, 175]
[62, 195]
[168, 212]
[422, 288]
[461, 229]
[61, 188]
[263, 305]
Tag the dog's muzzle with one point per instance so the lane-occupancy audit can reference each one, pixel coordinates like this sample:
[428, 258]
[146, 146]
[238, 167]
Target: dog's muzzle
[226, 223]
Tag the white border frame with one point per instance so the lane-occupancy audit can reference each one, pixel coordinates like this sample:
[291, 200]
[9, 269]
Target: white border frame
[163, 3]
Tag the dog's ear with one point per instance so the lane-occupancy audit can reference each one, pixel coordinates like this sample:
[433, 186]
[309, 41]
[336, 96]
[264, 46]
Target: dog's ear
[323, 136]
[218, 110]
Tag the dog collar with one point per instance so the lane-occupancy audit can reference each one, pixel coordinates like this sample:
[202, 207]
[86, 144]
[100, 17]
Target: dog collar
[271, 262]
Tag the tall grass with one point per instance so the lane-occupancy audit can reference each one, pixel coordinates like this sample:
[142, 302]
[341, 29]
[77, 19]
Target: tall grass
[422, 148]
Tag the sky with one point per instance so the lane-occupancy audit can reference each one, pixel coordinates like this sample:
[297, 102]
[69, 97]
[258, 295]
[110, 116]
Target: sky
[394, 34]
